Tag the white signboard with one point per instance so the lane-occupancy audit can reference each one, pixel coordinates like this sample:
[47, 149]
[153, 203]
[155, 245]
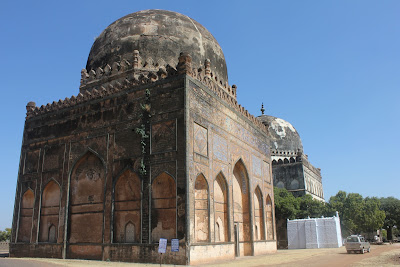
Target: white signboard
[175, 245]
[162, 245]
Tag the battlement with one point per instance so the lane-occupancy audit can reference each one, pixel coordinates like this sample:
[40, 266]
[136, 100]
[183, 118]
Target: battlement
[122, 75]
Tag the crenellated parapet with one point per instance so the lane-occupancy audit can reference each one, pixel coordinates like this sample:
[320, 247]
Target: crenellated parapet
[223, 91]
[122, 75]
[137, 71]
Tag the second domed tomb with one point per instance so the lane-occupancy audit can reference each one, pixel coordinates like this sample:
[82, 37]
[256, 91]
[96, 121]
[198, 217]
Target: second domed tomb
[154, 145]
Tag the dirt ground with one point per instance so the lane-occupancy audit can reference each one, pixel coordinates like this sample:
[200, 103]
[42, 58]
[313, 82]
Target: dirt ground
[380, 255]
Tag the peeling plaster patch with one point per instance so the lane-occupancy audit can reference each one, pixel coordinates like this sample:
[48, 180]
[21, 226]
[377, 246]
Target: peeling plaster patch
[284, 123]
[149, 28]
[276, 145]
[201, 46]
[279, 126]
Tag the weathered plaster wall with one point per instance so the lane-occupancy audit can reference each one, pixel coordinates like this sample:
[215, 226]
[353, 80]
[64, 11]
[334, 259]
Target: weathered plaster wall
[214, 253]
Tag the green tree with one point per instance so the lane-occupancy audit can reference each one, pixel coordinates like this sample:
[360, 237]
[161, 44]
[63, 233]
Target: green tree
[350, 208]
[286, 205]
[5, 235]
[372, 218]
[357, 214]
[309, 207]
[391, 207]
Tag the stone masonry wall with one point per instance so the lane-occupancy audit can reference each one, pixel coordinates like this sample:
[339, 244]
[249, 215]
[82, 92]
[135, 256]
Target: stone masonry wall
[224, 144]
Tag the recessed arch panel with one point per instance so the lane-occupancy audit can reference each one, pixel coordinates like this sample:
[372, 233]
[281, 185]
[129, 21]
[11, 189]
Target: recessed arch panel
[241, 207]
[269, 218]
[221, 208]
[258, 215]
[49, 212]
[25, 216]
[163, 207]
[87, 181]
[201, 222]
[127, 205]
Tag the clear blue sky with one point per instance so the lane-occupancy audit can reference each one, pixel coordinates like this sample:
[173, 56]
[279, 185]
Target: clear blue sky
[331, 68]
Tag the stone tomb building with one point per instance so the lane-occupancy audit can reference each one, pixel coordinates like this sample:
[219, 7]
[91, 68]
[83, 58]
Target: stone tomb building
[154, 145]
[291, 168]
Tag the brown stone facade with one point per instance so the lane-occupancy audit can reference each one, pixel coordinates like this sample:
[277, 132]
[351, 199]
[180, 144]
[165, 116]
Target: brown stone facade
[81, 193]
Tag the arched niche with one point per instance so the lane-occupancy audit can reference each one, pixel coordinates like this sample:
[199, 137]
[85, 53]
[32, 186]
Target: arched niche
[280, 184]
[25, 216]
[269, 218]
[87, 181]
[294, 185]
[258, 215]
[163, 207]
[127, 205]
[49, 212]
[221, 208]
[201, 221]
[130, 233]
[241, 207]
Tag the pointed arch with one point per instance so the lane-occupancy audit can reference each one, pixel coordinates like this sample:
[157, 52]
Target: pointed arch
[285, 161]
[86, 199]
[49, 212]
[221, 208]
[52, 235]
[163, 207]
[241, 206]
[258, 215]
[127, 205]
[201, 209]
[25, 216]
[218, 230]
[292, 160]
[269, 218]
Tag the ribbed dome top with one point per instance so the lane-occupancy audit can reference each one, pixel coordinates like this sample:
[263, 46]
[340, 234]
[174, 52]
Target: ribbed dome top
[283, 136]
[159, 36]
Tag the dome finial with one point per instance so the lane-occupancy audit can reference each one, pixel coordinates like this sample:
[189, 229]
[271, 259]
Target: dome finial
[262, 109]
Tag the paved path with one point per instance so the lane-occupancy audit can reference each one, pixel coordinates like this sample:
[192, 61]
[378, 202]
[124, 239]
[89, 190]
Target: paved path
[384, 255]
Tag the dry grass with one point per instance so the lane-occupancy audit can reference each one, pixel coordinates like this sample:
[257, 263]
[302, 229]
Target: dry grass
[390, 258]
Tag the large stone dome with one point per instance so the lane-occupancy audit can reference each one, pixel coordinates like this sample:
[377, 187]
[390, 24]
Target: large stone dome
[283, 136]
[159, 36]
